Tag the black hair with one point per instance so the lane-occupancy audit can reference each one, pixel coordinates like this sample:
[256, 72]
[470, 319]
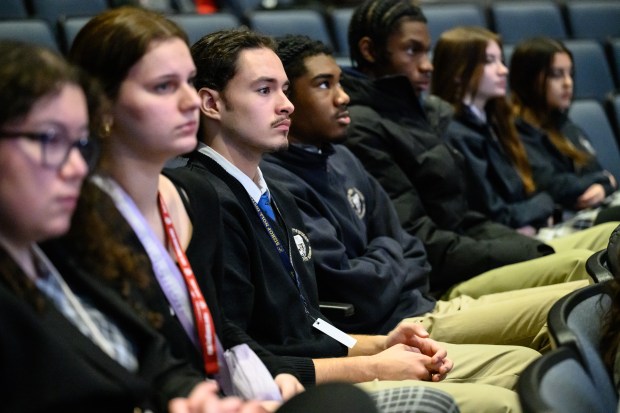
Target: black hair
[216, 55]
[294, 49]
[377, 20]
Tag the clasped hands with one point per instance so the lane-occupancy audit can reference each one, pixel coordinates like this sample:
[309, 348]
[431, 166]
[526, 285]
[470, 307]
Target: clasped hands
[410, 353]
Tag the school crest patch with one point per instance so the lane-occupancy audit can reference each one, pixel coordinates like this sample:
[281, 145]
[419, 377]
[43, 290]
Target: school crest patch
[357, 201]
[303, 244]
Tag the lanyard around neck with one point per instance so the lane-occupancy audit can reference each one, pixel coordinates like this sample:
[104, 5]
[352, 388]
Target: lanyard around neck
[202, 315]
[95, 334]
[284, 256]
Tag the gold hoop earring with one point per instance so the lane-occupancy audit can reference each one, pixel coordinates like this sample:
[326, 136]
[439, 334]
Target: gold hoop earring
[106, 128]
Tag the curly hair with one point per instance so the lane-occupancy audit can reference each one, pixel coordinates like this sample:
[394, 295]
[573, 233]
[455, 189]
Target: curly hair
[98, 238]
[293, 50]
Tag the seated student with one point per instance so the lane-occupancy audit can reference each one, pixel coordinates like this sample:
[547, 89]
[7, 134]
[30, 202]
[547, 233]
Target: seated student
[392, 136]
[69, 343]
[563, 160]
[360, 252]
[269, 288]
[499, 175]
[153, 116]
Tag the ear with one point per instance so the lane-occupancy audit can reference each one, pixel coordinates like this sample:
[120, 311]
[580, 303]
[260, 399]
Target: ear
[210, 103]
[366, 48]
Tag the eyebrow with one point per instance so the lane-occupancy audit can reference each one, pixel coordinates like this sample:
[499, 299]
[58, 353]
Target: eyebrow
[172, 76]
[266, 79]
[418, 43]
[323, 76]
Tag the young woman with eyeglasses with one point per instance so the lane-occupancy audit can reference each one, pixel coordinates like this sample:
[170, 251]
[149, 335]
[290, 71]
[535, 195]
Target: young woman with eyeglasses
[68, 342]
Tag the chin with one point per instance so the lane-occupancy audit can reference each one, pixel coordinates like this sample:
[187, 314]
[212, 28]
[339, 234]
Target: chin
[282, 146]
[56, 229]
[338, 139]
[186, 146]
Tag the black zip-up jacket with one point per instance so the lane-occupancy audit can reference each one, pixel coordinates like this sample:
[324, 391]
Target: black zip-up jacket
[425, 178]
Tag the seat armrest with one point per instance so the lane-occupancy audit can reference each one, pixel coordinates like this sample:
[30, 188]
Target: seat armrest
[336, 310]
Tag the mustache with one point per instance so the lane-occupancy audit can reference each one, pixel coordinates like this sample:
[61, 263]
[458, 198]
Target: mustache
[342, 113]
[280, 120]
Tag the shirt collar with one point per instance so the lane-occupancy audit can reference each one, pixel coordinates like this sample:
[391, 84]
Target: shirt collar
[253, 189]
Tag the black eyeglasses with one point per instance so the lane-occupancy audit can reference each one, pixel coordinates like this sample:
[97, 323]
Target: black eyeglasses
[56, 147]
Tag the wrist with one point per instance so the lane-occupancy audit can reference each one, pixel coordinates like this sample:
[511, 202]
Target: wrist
[368, 345]
[370, 368]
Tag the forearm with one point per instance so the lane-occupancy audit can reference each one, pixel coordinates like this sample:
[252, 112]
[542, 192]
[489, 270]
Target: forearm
[347, 369]
[357, 367]
[367, 345]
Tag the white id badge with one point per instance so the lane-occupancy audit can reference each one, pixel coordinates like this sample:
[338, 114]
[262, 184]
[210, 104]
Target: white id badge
[334, 332]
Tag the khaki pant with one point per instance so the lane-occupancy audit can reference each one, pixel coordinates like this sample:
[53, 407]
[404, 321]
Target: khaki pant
[595, 238]
[483, 379]
[556, 268]
[567, 264]
[507, 306]
[514, 317]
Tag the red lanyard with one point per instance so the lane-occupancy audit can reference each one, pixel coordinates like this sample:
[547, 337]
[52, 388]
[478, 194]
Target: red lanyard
[202, 315]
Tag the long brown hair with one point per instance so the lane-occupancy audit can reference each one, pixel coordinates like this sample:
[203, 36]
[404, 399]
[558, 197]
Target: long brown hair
[107, 47]
[530, 69]
[459, 58]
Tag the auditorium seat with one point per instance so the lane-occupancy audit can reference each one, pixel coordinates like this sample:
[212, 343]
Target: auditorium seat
[516, 21]
[340, 19]
[593, 78]
[69, 28]
[197, 25]
[590, 115]
[52, 11]
[442, 17]
[594, 19]
[13, 9]
[280, 22]
[29, 30]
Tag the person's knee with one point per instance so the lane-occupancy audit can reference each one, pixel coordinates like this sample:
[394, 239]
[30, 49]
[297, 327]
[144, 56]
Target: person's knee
[491, 399]
[579, 255]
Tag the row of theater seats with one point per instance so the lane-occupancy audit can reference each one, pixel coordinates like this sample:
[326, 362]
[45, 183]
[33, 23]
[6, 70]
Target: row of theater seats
[572, 378]
[562, 19]
[597, 72]
[596, 51]
[601, 122]
[590, 27]
[569, 19]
